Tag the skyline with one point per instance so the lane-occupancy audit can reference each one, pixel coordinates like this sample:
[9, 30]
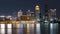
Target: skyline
[10, 7]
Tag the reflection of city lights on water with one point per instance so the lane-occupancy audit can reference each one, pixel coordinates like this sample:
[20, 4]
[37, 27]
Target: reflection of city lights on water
[2, 28]
[20, 28]
[28, 29]
[9, 28]
[51, 25]
[37, 28]
[51, 28]
[31, 28]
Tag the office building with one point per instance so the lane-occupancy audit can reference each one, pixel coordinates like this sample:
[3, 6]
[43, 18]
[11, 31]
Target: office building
[37, 9]
[29, 13]
[52, 14]
[20, 13]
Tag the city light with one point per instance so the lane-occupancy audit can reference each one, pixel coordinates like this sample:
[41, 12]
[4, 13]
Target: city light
[28, 17]
[2, 16]
[37, 8]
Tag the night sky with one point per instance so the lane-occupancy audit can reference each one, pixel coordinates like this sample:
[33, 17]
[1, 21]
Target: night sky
[11, 7]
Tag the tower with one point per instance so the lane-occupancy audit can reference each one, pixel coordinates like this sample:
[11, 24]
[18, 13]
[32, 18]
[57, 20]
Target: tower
[37, 9]
[19, 14]
[52, 14]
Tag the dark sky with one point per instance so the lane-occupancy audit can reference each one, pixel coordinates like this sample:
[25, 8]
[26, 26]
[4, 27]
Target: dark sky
[11, 7]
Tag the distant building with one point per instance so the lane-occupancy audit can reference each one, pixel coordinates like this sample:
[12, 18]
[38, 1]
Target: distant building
[2, 18]
[37, 9]
[52, 14]
[25, 17]
[33, 15]
[9, 18]
[29, 12]
[20, 13]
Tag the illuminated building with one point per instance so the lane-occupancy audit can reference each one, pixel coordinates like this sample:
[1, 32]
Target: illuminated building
[2, 18]
[52, 14]
[29, 12]
[37, 9]
[33, 15]
[9, 18]
[19, 14]
[25, 18]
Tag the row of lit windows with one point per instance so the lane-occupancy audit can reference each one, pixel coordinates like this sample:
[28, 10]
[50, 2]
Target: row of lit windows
[16, 22]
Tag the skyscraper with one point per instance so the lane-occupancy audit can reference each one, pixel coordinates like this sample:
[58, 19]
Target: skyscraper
[52, 14]
[37, 9]
[20, 13]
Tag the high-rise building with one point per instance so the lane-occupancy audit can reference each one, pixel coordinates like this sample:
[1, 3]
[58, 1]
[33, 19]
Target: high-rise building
[52, 14]
[29, 12]
[20, 13]
[37, 9]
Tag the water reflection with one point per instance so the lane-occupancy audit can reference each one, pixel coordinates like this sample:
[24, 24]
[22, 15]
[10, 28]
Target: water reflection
[51, 28]
[44, 28]
[9, 28]
[2, 28]
[31, 28]
[20, 28]
[38, 29]
[54, 28]
[28, 29]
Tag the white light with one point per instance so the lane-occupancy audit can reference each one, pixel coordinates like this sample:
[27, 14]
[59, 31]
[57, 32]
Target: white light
[9, 25]
[51, 25]
[2, 16]
[2, 28]
[46, 21]
[9, 30]
[9, 16]
[37, 6]
[53, 10]
[38, 19]
[51, 19]
[37, 28]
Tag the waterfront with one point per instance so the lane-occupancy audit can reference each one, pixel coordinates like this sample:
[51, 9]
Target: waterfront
[29, 28]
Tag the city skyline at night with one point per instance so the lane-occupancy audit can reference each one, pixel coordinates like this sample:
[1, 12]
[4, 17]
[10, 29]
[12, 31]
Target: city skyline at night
[11, 7]
[29, 17]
